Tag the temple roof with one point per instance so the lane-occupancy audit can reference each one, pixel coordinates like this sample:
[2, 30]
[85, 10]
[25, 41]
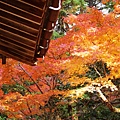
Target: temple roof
[26, 27]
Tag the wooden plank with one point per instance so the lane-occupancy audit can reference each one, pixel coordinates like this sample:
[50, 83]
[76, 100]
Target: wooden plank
[29, 61]
[18, 32]
[20, 12]
[19, 19]
[20, 26]
[27, 7]
[18, 38]
[13, 42]
[19, 16]
[39, 3]
[15, 53]
[18, 51]
[18, 48]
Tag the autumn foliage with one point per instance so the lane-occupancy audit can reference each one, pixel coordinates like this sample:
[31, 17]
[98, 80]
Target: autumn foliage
[88, 56]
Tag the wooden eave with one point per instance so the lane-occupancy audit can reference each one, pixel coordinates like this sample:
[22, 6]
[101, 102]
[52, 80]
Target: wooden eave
[26, 27]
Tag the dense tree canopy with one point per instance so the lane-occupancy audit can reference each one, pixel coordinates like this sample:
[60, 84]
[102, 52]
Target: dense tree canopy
[79, 77]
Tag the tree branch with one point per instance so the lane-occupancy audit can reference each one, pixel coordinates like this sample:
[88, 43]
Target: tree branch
[30, 77]
[109, 105]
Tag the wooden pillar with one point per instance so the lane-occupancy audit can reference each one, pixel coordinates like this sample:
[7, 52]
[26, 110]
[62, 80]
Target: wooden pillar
[3, 59]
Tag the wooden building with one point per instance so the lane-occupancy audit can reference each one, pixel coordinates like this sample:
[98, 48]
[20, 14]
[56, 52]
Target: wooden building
[26, 27]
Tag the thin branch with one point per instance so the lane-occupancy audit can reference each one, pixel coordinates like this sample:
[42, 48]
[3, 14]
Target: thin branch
[109, 105]
[23, 113]
[30, 77]
[25, 72]
[97, 71]
[28, 107]
[22, 85]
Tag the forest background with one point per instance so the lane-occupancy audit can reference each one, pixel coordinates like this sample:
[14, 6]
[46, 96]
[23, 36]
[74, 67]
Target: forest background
[79, 79]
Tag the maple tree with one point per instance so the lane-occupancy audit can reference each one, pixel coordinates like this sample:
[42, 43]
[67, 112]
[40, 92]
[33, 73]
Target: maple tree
[78, 7]
[81, 66]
